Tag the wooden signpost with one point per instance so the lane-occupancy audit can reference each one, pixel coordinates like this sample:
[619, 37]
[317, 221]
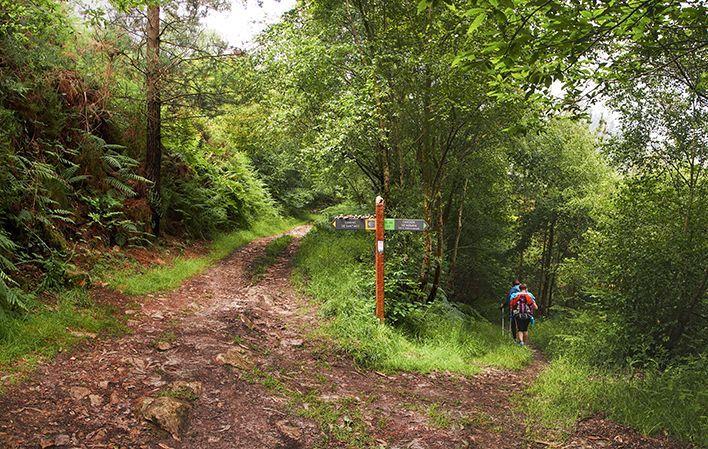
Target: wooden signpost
[379, 225]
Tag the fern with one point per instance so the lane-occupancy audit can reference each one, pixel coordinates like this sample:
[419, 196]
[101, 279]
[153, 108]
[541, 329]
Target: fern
[120, 186]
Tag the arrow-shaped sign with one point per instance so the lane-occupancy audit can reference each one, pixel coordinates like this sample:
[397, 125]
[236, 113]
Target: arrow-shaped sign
[405, 224]
[369, 224]
[348, 224]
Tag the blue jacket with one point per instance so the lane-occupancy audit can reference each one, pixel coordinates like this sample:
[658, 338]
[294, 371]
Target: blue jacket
[514, 290]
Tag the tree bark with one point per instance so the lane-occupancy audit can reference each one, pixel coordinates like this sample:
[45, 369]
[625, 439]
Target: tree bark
[546, 275]
[439, 248]
[153, 149]
[458, 233]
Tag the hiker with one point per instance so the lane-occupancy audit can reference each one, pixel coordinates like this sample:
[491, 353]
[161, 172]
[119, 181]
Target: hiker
[505, 303]
[522, 305]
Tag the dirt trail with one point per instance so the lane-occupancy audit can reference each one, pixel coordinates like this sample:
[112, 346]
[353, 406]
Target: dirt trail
[266, 382]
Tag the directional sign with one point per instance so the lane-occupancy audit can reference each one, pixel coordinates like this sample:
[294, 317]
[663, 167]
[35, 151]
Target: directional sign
[379, 224]
[405, 224]
[369, 224]
[348, 224]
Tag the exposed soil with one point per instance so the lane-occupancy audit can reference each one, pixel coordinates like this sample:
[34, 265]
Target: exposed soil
[266, 382]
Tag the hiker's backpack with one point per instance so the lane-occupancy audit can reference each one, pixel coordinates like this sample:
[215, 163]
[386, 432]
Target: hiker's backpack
[523, 306]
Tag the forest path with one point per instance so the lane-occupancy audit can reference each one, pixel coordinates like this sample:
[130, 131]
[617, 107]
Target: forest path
[264, 382]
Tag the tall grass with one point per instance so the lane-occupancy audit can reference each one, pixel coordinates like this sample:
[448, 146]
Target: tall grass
[141, 281]
[573, 386]
[334, 268]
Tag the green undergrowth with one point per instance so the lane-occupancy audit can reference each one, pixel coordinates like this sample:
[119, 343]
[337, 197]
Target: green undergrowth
[144, 280]
[270, 255]
[671, 401]
[46, 329]
[334, 268]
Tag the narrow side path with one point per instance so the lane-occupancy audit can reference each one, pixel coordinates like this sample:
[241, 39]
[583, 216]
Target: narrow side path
[262, 381]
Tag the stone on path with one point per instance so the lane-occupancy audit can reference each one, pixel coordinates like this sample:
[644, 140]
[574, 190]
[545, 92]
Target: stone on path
[78, 393]
[163, 346]
[96, 400]
[169, 414]
[289, 429]
[292, 342]
[194, 389]
[235, 357]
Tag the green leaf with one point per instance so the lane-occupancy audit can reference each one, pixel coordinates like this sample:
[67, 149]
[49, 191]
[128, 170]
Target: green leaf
[476, 23]
[423, 5]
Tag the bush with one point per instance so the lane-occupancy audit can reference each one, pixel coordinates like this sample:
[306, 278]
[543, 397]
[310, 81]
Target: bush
[204, 194]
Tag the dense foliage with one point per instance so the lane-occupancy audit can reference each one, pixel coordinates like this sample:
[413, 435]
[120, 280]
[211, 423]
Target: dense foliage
[72, 148]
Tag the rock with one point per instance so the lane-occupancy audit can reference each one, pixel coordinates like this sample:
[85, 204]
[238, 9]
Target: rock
[169, 414]
[78, 393]
[235, 357]
[415, 444]
[163, 346]
[103, 385]
[115, 398]
[44, 443]
[96, 400]
[97, 436]
[291, 342]
[62, 440]
[136, 362]
[154, 382]
[289, 429]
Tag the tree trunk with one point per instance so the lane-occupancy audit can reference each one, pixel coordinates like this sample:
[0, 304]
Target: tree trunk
[458, 234]
[153, 149]
[546, 275]
[386, 172]
[427, 243]
[438, 256]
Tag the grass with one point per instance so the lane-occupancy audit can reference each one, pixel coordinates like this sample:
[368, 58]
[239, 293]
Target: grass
[182, 393]
[438, 417]
[334, 269]
[137, 281]
[672, 401]
[28, 339]
[270, 255]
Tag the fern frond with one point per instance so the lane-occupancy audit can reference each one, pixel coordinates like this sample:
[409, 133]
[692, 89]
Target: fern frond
[120, 186]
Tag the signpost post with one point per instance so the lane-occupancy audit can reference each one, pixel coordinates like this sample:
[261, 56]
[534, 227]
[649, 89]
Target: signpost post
[379, 225]
[379, 258]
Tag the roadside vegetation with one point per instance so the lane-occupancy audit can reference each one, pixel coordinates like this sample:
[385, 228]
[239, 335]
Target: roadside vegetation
[336, 269]
[47, 328]
[143, 280]
[581, 381]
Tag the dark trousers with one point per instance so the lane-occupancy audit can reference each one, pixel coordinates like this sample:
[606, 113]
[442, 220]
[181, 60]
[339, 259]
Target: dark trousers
[513, 327]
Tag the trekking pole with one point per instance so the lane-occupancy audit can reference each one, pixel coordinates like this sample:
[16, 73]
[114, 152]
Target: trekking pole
[502, 321]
